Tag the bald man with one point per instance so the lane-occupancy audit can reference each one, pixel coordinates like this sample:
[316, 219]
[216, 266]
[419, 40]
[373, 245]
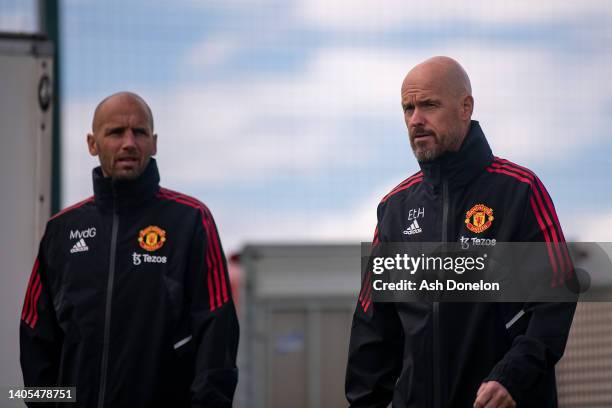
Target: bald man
[129, 299]
[436, 354]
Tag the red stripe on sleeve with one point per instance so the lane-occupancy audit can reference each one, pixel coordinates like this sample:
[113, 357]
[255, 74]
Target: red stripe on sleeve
[211, 291]
[215, 283]
[553, 233]
[402, 184]
[548, 211]
[26, 302]
[403, 187]
[538, 188]
[367, 305]
[568, 262]
[368, 274]
[553, 259]
[368, 294]
[36, 296]
[544, 226]
[365, 294]
[212, 256]
[217, 246]
[33, 305]
[72, 207]
[366, 283]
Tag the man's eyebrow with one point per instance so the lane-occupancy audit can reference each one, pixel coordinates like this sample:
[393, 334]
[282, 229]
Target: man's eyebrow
[428, 101]
[114, 129]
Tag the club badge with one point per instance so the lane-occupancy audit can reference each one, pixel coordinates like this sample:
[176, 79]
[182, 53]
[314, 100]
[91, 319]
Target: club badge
[479, 218]
[152, 238]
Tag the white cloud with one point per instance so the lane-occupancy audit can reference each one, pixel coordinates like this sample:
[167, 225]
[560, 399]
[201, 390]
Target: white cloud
[365, 15]
[532, 106]
[353, 224]
[212, 52]
[250, 131]
[535, 107]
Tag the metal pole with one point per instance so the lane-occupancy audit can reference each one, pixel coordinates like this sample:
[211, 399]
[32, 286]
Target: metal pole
[49, 25]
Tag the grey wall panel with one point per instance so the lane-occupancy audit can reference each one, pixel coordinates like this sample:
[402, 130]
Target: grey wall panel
[25, 165]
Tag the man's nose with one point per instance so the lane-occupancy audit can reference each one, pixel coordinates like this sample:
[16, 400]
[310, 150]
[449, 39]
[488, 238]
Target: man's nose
[129, 139]
[416, 119]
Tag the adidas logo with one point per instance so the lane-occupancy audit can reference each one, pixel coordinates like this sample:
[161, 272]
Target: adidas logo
[414, 228]
[80, 246]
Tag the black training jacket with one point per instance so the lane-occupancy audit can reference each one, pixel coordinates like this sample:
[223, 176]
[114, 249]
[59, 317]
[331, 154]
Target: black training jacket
[130, 301]
[435, 354]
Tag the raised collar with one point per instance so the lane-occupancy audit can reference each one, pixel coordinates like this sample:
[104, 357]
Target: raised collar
[123, 195]
[460, 167]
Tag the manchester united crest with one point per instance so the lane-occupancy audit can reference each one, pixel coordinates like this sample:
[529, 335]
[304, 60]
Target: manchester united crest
[479, 218]
[152, 238]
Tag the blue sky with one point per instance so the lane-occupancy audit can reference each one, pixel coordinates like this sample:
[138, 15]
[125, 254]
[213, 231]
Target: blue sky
[284, 116]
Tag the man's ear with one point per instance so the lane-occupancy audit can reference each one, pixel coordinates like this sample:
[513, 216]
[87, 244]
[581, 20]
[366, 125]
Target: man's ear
[91, 144]
[154, 144]
[467, 107]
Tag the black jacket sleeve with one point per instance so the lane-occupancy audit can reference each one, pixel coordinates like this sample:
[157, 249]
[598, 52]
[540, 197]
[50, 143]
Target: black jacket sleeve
[534, 353]
[375, 349]
[214, 323]
[39, 334]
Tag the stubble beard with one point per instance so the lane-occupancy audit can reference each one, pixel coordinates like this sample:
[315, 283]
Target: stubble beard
[424, 155]
[442, 145]
[131, 174]
[126, 175]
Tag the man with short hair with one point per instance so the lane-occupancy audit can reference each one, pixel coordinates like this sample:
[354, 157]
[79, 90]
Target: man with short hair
[129, 299]
[435, 354]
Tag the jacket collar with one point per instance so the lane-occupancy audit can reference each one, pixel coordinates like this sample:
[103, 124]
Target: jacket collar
[121, 195]
[460, 167]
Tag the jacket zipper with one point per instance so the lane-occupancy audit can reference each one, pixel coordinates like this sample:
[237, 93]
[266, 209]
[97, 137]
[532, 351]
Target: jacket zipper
[437, 386]
[109, 297]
